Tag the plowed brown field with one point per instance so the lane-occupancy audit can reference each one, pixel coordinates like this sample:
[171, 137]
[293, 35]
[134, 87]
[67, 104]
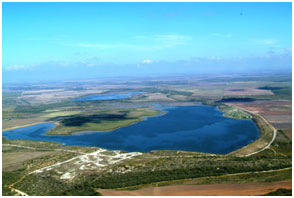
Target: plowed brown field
[245, 189]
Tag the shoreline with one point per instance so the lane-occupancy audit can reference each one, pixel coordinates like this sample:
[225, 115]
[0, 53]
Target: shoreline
[22, 126]
[163, 110]
[262, 135]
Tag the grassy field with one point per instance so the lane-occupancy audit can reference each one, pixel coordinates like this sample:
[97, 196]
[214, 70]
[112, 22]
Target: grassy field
[60, 113]
[101, 121]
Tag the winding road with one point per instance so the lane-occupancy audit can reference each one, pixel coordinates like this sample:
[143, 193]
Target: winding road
[271, 126]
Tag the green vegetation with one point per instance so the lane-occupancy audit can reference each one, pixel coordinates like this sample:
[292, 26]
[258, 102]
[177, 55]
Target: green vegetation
[102, 121]
[40, 145]
[136, 178]
[60, 113]
[246, 177]
[237, 99]
[9, 178]
[202, 170]
[280, 92]
[266, 135]
[103, 125]
[11, 98]
[231, 178]
[280, 192]
[234, 112]
[282, 144]
[39, 108]
[49, 186]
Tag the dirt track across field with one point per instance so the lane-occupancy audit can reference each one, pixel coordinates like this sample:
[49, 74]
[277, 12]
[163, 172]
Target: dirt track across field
[205, 190]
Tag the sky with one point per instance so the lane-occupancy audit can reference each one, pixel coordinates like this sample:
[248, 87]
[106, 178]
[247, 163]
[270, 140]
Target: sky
[60, 41]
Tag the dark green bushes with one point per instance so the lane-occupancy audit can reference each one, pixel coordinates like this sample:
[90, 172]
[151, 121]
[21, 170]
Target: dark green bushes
[209, 169]
[280, 192]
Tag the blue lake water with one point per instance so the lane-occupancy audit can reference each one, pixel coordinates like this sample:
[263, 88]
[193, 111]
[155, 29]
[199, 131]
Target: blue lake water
[190, 128]
[107, 96]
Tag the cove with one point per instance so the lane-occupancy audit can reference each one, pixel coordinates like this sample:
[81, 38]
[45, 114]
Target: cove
[198, 128]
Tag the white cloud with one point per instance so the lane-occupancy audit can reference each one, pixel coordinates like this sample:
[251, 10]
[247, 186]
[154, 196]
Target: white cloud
[87, 62]
[166, 40]
[14, 67]
[146, 61]
[264, 42]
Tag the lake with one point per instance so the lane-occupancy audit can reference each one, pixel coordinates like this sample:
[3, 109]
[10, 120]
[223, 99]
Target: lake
[115, 96]
[198, 128]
